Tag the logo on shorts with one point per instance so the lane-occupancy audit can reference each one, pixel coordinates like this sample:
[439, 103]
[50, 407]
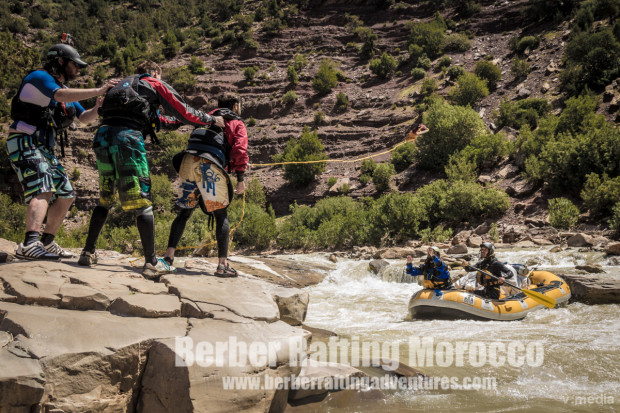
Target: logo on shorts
[28, 172]
[125, 84]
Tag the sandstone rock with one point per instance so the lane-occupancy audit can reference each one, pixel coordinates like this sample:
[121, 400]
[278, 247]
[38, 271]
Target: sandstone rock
[146, 305]
[482, 228]
[8, 246]
[241, 296]
[474, 242]
[292, 304]
[593, 289]
[21, 383]
[395, 253]
[580, 240]
[376, 266]
[525, 244]
[335, 189]
[81, 297]
[541, 241]
[5, 338]
[508, 171]
[33, 283]
[520, 189]
[545, 87]
[535, 222]
[591, 268]
[333, 258]
[613, 249]
[523, 93]
[556, 249]
[461, 237]
[484, 179]
[457, 249]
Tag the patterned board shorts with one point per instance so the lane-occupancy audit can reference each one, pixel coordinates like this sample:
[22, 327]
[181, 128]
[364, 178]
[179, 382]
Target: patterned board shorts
[38, 169]
[123, 168]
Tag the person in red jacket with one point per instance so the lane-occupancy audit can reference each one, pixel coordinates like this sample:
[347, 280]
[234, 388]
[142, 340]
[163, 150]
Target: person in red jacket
[204, 181]
[130, 112]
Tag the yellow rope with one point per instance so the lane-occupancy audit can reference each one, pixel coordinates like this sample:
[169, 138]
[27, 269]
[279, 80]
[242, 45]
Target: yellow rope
[410, 138]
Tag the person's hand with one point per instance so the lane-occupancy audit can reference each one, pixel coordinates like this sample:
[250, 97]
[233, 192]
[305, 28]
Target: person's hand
[430, 252]
[99, 102]
[501, 280]
[219, 121]
[108, 85]
[464, 263]
[240, 188]
[409, 259]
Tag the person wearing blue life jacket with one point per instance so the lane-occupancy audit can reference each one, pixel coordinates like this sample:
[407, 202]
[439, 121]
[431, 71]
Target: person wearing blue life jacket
[42, 110]
[433, 270]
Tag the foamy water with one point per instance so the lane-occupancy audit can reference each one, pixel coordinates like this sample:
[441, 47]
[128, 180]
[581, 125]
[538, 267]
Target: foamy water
[581, 343]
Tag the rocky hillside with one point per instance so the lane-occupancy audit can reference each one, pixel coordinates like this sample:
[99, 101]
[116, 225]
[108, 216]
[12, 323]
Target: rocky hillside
[381, 112]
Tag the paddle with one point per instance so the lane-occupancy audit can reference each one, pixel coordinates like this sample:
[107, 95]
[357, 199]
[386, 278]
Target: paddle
[534, 295]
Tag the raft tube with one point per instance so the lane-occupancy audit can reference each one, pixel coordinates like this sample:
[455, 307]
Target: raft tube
[460, 304]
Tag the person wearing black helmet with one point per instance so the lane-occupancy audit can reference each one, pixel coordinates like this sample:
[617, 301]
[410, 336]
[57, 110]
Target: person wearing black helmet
[433, 269]
[491, 264]
[42, 108]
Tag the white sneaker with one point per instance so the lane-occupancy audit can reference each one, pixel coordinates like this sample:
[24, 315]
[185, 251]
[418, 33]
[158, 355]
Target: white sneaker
[54, 248]
[35, 251]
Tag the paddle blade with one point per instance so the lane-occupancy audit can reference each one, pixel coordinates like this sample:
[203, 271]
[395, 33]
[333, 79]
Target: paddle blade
[540, 298]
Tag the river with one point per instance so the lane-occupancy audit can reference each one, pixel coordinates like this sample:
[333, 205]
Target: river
[572, 354]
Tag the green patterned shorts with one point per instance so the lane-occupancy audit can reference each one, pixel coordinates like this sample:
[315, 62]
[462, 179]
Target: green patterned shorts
[37, 168]
[123, 167]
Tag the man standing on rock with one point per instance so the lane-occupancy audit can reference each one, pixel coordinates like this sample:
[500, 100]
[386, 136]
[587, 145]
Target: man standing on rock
[130, 111]
[204, 181]
[41, 110]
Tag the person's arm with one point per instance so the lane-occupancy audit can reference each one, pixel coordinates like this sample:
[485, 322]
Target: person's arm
[169, 122]
[174, 105]
[90, 115]
[410, 269]
[441, 267]
[239, 151]
[75, 94]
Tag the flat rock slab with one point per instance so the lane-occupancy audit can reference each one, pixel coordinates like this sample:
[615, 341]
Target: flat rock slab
[319, 375]
[48, 332]
[242, 296]
[146, 305]
[21, 383]
[82, 297]
[593, 289]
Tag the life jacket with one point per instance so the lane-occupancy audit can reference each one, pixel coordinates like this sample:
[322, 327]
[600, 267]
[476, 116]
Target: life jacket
[212, 139]
[124, 106]
[51, 120]
[432, 274]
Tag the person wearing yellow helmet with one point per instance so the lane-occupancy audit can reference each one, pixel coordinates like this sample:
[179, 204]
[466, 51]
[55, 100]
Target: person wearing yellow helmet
[433, 269]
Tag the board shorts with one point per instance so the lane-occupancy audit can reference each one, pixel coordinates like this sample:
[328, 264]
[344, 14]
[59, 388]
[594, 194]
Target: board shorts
[123, 168]
[37, 168]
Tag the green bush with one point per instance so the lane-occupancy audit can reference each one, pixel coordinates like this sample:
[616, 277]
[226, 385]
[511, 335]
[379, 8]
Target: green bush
[403, 156]
[424, 63]
[429, 36]
[429, 85]
[444, 61]
[418, 73]
[382, 175]
[255, 193]
[614, 222]
[460, 168]
[415, 53]
[181, 79]
[457, 43]
[364, 179]
[307, 148]
[319, 117]
[451, 128]
[383, 67]
[483, 152]
[258, 228]
[251, 122]
[162, 193]
[454, 72]
[437, 234]
[332, 181]
[394, 217]
[250, 72]
[488, 71]
[327, 77]
[171, 143]
[519, 68]
[289, 97]
[342, 101]
[592, 61]
[171, 44]
[291, 75]
[470, 90]
[12, 219]
[527, 42]
[563, 214]
[299, 62]
[369, 41]
[522, 112]
[197, 66]
[368, 167]
[344, 189]
[600, 194]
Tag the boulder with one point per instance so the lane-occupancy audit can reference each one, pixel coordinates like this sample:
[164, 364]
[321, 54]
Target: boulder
[613, 249]
[335, 189]
[593, 289]
[541, 241]
[320, 376]
[590, 268]
[580, 240]
[461, 237]
[395, 253]
[525, 244]
[474, 242]
[521, 189]
[22, 383]
[292, 304]
[8, 246]
[82, 297]
[333, 258]
[376, 266]
[482, 228]
[457, 249]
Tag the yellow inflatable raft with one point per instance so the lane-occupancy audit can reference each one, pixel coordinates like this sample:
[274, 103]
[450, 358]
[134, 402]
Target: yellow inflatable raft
[460, 304]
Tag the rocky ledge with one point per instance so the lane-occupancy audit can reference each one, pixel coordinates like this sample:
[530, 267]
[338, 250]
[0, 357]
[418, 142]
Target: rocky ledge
[104, 339]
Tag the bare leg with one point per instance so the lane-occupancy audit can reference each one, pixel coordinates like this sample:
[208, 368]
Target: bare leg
[36, 211]
[57, 213]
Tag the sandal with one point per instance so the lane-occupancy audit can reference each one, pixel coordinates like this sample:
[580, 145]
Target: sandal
[225, 271]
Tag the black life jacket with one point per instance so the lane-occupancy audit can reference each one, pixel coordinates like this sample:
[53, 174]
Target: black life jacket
[212, 139]
[124, 106]
[51, 120]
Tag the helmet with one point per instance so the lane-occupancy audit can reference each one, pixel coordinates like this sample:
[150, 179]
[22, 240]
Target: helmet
[437, 251]
[489, 246]
[67, 52]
